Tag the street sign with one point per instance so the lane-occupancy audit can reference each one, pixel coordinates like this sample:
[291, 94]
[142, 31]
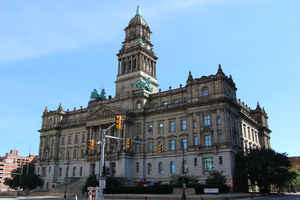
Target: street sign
[211, 190]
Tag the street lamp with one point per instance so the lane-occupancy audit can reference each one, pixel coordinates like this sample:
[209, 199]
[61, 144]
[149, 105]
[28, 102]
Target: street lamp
[183, 197]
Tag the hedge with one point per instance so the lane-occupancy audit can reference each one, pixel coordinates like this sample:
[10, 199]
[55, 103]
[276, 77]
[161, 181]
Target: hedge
[156, 189]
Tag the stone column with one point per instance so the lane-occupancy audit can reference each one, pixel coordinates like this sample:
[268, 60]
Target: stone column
[119, 67]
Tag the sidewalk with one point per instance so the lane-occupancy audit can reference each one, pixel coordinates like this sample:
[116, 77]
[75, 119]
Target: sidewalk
[175, 197]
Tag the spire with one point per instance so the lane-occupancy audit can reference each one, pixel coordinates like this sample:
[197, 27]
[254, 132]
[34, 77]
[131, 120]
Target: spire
[138, 12]
[220, 71]
[258, 106]
[190, 77]
[46, 109]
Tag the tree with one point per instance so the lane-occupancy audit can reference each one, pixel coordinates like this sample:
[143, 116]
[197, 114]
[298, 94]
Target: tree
[90, 182]
[265, 167]
[24, 178]
[240, 178]
[294, 184]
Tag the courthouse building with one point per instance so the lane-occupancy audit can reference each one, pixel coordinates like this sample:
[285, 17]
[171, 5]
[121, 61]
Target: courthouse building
[200, 125]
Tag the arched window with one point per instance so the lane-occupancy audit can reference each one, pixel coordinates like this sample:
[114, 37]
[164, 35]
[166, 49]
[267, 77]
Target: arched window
[205, 91]
[149, 168]
[74, 171]
[160, 167]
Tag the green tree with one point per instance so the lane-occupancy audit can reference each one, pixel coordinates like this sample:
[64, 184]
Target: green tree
[294, 184]
[90, 182]
[240, 178]
[265, 167]
[24, 178]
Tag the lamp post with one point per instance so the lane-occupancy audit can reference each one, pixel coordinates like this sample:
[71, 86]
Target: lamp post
[183, 197]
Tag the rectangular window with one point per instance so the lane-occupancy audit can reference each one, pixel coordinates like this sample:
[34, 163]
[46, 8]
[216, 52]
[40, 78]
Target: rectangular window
[172, 145]
[82, 153]
[62, 140]
[184, 143]
[183, 125]
[137, 167]
[195, 125]
[69, 139]
[220, 160]
[161, 128]
[172, 126]
[172, 167]
[150, 130]
[207, 120]
[248, 129]
[75, 154]
[176, 101]
[76, 139]
[196, 141]
[80, 173]
[207, 140]
[195, 162]
[208, 164]
[219, 138]
[219, 121]
[82, 138]
[60, 171]
[150, 147]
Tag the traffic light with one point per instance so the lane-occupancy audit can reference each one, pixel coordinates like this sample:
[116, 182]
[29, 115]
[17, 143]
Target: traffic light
[91, 144]
[128, 143]
[118, 121]
[159, 148]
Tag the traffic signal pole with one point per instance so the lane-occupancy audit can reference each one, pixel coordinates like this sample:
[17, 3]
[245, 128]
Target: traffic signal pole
[100, 195]
[118, 125]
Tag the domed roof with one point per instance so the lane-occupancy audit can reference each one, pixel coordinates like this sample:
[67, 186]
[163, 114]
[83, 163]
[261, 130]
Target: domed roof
[138, 19]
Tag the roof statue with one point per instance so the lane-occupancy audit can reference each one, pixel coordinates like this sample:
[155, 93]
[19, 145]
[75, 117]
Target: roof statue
[145, 84]
[102, 95]
[94, 95]
[60, 108]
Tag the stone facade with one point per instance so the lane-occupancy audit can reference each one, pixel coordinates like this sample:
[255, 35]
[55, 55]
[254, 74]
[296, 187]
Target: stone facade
[200, 125]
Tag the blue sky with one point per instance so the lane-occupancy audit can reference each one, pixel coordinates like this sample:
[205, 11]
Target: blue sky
[58, 51]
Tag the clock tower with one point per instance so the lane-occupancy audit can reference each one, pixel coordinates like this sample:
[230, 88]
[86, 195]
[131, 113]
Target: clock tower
[137, 61]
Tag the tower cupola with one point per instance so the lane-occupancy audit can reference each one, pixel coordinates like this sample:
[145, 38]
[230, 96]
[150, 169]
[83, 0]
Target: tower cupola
[137, 61]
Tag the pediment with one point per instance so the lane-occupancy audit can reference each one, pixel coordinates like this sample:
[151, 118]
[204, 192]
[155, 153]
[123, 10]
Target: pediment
[104, 112]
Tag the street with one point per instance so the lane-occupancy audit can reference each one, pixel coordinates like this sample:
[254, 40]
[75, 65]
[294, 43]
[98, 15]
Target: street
[286, 197]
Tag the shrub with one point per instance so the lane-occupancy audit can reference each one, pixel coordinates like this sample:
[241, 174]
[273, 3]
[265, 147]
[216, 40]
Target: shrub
[156, 189]
[199, 188]
[179, 180]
